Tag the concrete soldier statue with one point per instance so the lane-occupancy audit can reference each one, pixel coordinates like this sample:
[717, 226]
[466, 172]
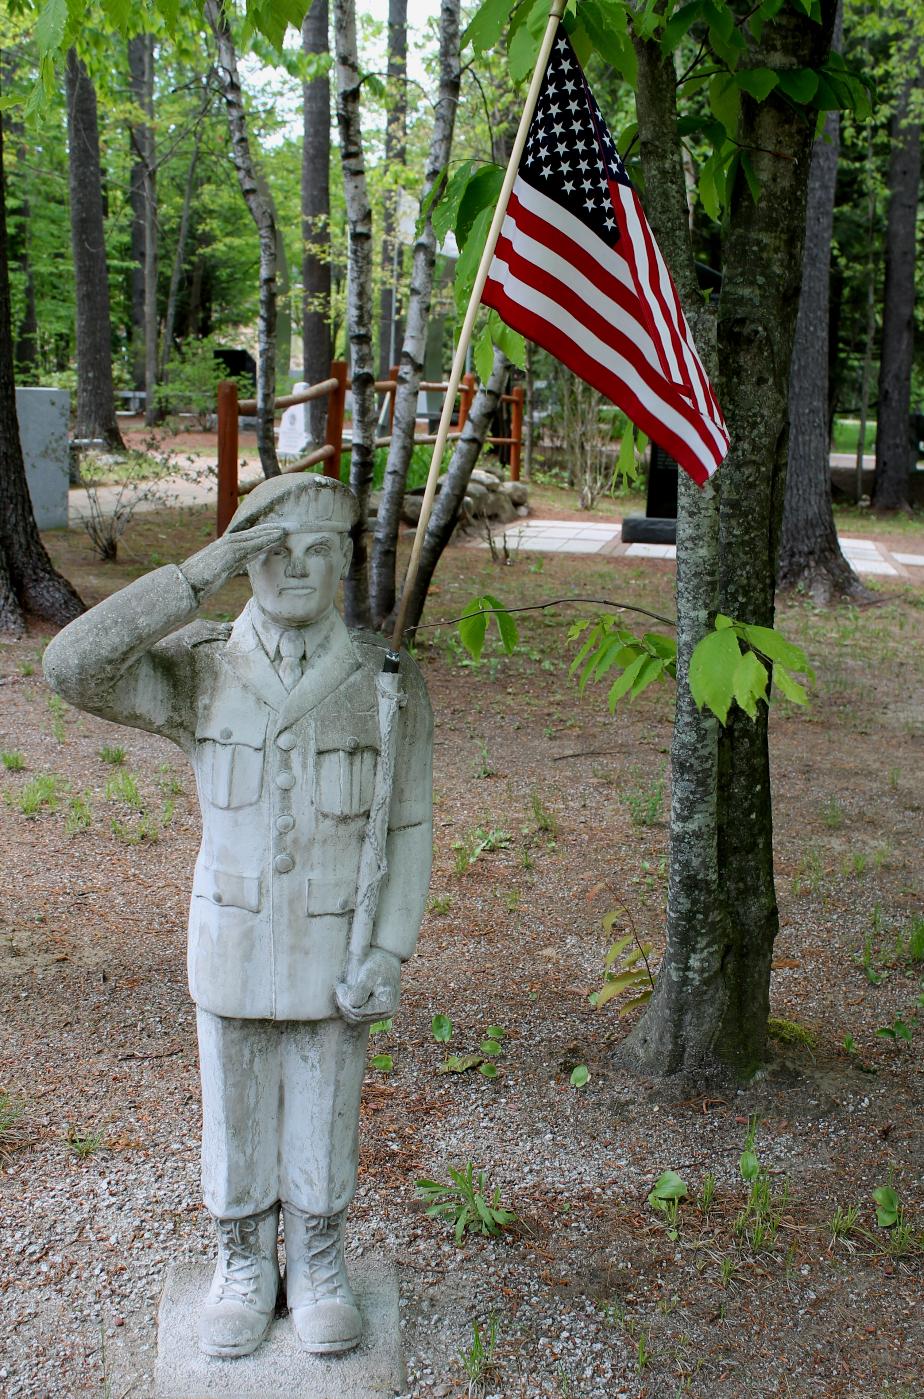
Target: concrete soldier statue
[281, 717]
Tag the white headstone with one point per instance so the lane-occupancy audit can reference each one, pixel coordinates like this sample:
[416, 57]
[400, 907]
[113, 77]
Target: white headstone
[293, 430]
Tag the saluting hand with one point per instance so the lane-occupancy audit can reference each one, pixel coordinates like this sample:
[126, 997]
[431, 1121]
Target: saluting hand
[223, 558]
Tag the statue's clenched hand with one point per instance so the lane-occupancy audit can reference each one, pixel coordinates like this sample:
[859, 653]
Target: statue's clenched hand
[223, 558]
[374, 993]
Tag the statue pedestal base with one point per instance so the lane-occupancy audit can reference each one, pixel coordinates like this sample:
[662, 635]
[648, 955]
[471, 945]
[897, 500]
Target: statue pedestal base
[374, 1370]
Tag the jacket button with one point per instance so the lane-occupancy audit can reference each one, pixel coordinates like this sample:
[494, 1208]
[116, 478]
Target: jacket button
[217, 897]
[224, 734]
[351, 745]
[283, 863]
[286, 741]
[284, 823]
[342, 905]
[285, 780]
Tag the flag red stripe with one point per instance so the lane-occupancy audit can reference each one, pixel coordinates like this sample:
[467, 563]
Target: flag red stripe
[577, 360]
[571, 301]
[582, 259]
[578, 255]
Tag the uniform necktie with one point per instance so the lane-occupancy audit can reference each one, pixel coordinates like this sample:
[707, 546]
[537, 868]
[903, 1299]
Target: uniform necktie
[292, 653]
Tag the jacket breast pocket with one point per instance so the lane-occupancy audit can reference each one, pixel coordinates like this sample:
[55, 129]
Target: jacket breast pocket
[230, 762]
[344, 779]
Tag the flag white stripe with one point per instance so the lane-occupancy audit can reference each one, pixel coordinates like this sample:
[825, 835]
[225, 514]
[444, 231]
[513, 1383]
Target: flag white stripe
[559, 217]
[577, 332]
[612, 262]
[640, 248]
[541, 255]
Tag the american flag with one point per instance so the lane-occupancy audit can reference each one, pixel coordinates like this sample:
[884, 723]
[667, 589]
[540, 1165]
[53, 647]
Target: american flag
[577, 270]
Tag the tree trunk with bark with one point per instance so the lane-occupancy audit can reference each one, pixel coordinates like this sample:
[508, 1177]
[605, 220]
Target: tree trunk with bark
[261, 209]
[455, 483]
[697, 926]
[359, 302]
[316, 338]
[95, 396]
[150, 239]
[810, 554]
[708, 1015]
[395, 156]
[28, 581]
[895, 446]
[25, 351]
[410, 369]
[137, 47]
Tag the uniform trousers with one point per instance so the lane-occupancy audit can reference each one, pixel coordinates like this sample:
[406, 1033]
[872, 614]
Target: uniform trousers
[280, 1113]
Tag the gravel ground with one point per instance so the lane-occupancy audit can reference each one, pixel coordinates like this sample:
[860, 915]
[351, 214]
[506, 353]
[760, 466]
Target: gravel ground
[593, 1293]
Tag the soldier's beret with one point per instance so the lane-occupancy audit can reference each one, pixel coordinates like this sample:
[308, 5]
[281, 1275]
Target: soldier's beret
[300, 501]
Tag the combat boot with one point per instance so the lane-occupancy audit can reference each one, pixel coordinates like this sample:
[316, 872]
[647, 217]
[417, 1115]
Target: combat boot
[242, 1299]
[318, 1291]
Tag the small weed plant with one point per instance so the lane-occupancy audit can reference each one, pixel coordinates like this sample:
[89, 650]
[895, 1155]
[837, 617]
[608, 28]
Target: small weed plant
[646, 804]
[665, 1197]
[123, 787]
[477, 843]
[759, 1222]
[79, 815]
[42, 793]
[115, 757]
[544, 819]
[478, 1361]
[627, 968]
[13, 761]
[12, 1123]
[485, 1060]
[57, 708]
[467, 1203]
[382, 1061]
[82, 1142]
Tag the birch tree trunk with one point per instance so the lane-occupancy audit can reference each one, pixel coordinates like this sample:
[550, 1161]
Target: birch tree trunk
[316, 337]
[95, 395]
[395, 156]
[359, 302]
[410, 369]
[455, 483]
[28, 580]
[260, 205]
[179, 256]
[708, 1015]
[895, 447]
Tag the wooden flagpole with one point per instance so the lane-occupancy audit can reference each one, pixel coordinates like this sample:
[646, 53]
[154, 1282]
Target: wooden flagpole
[556, 10]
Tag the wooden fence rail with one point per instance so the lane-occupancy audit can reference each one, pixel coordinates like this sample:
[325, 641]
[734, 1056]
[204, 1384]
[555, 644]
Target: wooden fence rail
[334, 389]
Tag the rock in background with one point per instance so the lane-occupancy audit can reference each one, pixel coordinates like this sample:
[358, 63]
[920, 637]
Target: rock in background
[489, 497]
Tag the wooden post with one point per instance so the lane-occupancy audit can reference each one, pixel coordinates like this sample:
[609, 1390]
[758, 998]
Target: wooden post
[393, 376]
[336, 408]
[227, 453]
[466, 394]
[516, 430]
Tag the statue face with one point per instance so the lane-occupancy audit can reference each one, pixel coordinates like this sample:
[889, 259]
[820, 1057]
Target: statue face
[295, 582]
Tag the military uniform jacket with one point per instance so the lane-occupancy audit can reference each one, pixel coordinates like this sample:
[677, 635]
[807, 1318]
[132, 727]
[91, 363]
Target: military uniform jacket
[284, 781]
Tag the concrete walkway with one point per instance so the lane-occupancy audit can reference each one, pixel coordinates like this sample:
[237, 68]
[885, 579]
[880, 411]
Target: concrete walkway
[868, 556]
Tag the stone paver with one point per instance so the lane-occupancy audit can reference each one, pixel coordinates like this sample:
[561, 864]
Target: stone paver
[603, 537]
